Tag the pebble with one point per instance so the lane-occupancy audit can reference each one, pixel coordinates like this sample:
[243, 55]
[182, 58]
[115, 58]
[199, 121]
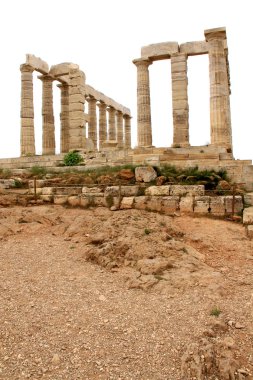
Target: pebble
[239, 326]
[56, 359]
[102, 298]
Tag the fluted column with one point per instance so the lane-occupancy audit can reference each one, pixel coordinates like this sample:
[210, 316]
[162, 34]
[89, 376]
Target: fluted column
[220, 118]
[119, 123]
[180, 100]
[144, 130]
[48, 128]
[102, 124]
[92, 124]
[64, 116]
[27, 140]
[127, 130]
[111, 124]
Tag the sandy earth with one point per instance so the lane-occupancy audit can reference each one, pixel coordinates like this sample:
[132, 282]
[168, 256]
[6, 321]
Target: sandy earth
[95, 294]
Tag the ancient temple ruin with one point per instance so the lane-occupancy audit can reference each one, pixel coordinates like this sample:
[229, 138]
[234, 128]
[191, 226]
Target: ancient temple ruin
[74, 94]
[215, 45]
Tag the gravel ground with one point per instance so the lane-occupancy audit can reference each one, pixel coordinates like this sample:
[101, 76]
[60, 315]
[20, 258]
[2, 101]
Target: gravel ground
[63, 316]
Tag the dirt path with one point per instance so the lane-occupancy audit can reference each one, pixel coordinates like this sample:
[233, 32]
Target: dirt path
[67, 314]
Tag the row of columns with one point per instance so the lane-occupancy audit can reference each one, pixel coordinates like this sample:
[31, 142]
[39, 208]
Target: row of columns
[220, 119]
[72, 117]
[115, 128]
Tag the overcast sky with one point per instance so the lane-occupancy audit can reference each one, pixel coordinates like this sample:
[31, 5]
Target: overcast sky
[103, 37]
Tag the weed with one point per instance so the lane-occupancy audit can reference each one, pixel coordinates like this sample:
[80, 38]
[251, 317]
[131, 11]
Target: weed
[215, 311]
[38, 171]
[147, 231]
[72, 158]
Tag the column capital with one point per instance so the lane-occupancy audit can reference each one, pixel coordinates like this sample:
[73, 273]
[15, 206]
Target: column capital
[102, 105]
[90, 98]
[111, 109]
[24, 68]
[126, 116]
[179, 54]
[215, 34]
[46, 78]
[142, 62]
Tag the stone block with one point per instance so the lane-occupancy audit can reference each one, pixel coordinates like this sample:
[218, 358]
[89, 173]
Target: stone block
[140, 203]
[47, 198]
[74, 200]
[67, 190]
[111, 191]
[95, 191]
[39, 183]
[129, 191]
[127, 203]
[145, 174]
[248, 199]
[76, 107]
[60, 199]
[154, 204]
[84, 201]
[170, 204]
[202, 204]
[62, 69]
[38, 64]
[217, 206]
[186, 204]
[7, 183]
[238, 203]
[194, 48]
[183, 190]
[158, 190]
[249, 231]
[47, 191]
[160, 50]
[100, 201]
[248, 215]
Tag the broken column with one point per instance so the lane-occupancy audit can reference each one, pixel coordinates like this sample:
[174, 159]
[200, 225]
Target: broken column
[48, 128]
[102, 124]
[92, 129]
[219, 89]
[180, 100]
[111, 124]
[119, 123]
[127, 131]
[144, 131]
[27, 140]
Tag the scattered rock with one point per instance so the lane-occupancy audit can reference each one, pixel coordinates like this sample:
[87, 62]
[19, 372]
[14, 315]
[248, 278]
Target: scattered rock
[145, 174]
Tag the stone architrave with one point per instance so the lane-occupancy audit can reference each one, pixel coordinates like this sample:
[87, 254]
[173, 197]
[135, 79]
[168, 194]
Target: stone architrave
[27, 140]
[102, 124]
[48, 128]
[92, 123]
[111, 124]
[220, 118]
[64, 117]
[144, 129]
[127, 131]
[119, 124]
[180, 100]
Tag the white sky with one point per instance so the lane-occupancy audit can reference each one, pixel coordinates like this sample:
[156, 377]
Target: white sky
[104, 36]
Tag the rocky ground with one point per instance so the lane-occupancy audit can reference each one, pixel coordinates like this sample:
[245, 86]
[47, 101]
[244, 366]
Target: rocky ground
[96, 294]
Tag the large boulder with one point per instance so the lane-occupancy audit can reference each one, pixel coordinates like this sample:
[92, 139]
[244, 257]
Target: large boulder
[248, 215]
[145, 174]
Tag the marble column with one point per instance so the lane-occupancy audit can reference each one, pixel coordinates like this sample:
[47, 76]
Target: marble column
[119, 124]
[127, 130]
[111, 124]
[102, 124]
[48, 128]
[64, 116]
[27, 140]
[144, 130]
[180, 100]
[92, 124]
[220, 118]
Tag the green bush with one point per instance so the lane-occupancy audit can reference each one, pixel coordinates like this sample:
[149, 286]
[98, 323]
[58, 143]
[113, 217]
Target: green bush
[72, 158]
[38, 171]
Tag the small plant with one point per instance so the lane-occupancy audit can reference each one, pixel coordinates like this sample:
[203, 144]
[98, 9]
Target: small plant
[72, 158]
[38, 171]
[215, 311]
[17, 183]
[147, 231]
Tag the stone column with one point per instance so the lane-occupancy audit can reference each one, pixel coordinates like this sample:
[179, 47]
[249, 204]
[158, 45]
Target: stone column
[144, 130]
[220, 118]
[119, 123]
[64, 116]
[102, 124]
[180, 100]
[48, 129]
[127, 129]
[92, 124]
[111, 124]
[27, 140]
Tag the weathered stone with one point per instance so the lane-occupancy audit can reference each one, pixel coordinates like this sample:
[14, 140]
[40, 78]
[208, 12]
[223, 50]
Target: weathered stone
[126, 174]
[145, 174]
[248, 215]
[158, 190]
[249, 231]
[74, 200]
[127, 203]
[60, 199]
[186, 204]
[184, 190]
[248, 199]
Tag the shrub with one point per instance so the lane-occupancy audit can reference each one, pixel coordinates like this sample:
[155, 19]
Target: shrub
[38, 171]
[72, 158]
[215, 312]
